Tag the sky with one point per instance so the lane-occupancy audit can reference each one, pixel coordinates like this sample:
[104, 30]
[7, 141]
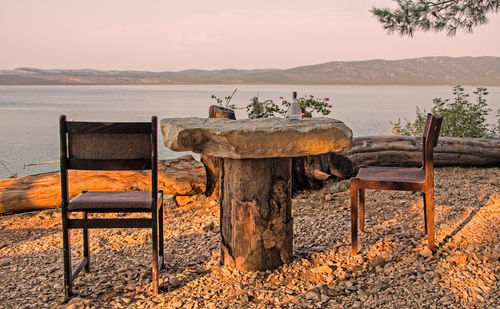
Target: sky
[173, 35]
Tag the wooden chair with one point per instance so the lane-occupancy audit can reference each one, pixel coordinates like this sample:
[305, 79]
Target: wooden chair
[399, 178]
[109, 146]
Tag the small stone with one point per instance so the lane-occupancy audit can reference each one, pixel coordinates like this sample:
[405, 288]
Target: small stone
[493, 258]
[458, 259]
[426, 252]
[175, 282]
[322, 270]
[314, 296]
[375, 288]
[324, 298]
[75, 300]
[183, 200]
[209, 227]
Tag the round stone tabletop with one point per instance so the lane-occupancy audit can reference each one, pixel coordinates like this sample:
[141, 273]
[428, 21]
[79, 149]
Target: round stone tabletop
[256, 138]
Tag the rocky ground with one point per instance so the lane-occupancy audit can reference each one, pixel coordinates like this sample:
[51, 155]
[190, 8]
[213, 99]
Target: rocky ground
[392, 269]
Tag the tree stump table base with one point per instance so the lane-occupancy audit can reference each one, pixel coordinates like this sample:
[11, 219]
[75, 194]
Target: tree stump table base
[256, 213]
[256, 178]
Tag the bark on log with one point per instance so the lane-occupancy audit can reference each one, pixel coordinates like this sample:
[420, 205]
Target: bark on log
[407, 151]
[213, 164]
[181, 176]
[309, 172]
[256, 213]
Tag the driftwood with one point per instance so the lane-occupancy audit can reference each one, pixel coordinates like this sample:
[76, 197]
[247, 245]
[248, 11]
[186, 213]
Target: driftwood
[407, 151]
[216, 111]
[213, 164]
[181, 176]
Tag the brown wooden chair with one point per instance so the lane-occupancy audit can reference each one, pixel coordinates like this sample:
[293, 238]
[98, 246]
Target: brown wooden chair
[109, 146]
[399, 178]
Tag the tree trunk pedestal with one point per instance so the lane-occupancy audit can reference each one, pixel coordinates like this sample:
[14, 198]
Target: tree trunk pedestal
[256, 213]
[256, 178]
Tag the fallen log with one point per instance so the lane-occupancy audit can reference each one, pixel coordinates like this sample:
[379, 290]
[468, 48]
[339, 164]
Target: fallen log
[181, 176]
[407, 151]
[309, 172]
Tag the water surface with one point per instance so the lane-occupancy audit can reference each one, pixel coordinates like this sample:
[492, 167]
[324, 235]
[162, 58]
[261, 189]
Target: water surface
[29, 114]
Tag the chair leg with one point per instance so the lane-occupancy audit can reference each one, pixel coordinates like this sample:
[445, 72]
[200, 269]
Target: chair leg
[361, 207]
[425, 213]
[160, 232]
[154, 240]
[354, 219]
[429, 205]
[86, 250]
[68, 291]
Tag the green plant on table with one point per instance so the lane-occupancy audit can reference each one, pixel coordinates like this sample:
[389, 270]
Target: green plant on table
[227, 100]
[262, 109]
[310, 104]
[461, 117]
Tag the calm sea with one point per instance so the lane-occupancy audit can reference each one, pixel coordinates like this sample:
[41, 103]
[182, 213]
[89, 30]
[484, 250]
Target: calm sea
[29, 114]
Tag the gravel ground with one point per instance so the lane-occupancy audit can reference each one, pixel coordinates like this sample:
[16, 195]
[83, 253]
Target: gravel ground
[392, 270]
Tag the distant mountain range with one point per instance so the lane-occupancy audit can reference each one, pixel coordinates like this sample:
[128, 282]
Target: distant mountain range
[419, 71]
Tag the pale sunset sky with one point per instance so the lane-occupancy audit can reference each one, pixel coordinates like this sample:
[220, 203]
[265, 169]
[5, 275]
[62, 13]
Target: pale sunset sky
[167, 35]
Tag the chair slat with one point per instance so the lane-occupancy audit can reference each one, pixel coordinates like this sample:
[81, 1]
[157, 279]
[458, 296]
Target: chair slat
[108, 127]
[109, 164]
[110, 223]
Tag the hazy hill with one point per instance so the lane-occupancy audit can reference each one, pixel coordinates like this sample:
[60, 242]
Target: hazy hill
[419, 71]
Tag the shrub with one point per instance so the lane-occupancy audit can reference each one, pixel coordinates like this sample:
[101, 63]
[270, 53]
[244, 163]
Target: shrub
[227, 99]
[308, 105]
[264, 109]
[461, 117]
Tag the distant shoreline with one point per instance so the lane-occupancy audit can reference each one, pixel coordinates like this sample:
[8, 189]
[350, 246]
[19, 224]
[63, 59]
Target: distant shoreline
[233, 84]
[427, 71]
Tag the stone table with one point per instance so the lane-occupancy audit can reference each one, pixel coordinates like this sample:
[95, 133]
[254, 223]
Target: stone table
[256, 178]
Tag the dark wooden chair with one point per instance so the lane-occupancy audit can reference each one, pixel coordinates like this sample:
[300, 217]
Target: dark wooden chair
[109, 146]
[399, 178]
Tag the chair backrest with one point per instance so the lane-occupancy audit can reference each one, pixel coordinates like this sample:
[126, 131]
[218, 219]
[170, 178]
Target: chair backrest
[429, 141]
[108, 146]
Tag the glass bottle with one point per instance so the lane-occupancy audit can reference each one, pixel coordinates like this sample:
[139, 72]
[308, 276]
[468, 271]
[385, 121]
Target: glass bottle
[294, 113]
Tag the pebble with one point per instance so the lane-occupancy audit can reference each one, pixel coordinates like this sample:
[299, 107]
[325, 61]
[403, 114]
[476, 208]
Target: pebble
[426, 252]
[314, 296]
[493, 258]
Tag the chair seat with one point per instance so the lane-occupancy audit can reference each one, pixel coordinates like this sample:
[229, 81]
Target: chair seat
[391, 174]
[112, 200]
